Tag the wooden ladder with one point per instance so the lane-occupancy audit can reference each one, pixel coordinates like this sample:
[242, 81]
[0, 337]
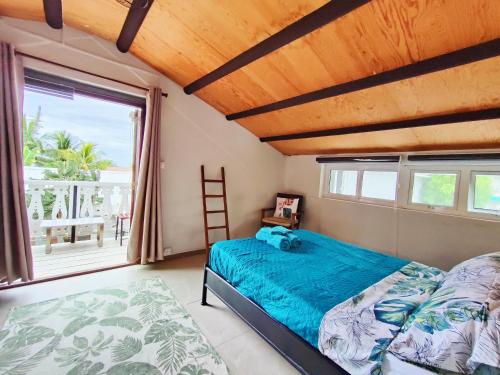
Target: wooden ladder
[208, 212]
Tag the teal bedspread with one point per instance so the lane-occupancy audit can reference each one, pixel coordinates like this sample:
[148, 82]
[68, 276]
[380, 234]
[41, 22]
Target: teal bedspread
[297, 287]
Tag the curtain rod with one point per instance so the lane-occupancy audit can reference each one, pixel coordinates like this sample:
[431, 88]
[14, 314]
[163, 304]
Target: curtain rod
[358, 159]
[454, 157]
[83, 71]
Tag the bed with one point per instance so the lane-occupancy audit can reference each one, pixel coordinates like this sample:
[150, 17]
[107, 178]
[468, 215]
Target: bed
[295, 299]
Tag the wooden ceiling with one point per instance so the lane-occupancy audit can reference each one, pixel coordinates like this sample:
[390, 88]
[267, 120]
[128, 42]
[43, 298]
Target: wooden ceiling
[187, 39]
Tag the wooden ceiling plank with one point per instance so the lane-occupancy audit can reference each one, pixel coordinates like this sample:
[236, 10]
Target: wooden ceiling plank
[461, 136]
[135, 17]
[53, 13]
[320, 17]
[452, 118]
[468, 87]
[463, 56]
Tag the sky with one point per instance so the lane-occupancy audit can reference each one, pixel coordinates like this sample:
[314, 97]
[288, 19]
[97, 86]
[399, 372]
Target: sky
[104, 123]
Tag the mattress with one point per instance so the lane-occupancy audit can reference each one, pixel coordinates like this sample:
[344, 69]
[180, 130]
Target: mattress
[299, 286]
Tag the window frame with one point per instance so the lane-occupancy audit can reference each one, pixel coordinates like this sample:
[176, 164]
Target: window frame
[339, 195]
[34, 77]
[385, 202]
[360, 169]
[431, 207]
[40, 78]
[466, 171]
[472, 192]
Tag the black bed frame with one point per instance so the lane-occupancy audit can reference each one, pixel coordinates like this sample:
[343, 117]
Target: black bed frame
[305, 358]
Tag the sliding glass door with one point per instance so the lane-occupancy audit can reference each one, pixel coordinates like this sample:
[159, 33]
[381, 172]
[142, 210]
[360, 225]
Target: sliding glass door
[79, 144]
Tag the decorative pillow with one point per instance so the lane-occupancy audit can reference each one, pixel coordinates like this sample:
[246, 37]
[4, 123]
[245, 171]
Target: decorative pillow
[457, 327]
[487, 349]
[285, 207]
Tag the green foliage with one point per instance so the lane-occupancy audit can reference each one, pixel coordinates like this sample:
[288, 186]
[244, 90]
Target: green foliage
[112, 292]
[394, 311]
[81, 308]
[77, 324]
[438, 190]
[81, 350]
[25, 366]
[193, 370]
[173, 337]
[126, 348]
[483, 191]
[28, 336]
[413, 286]
[3, 334]
[172, 354]
[11, 356]
[417, 270]
[32, 144]
[72, 160]
[69, 339]
[114, 308]
[86, 368]
[151, 303]
[123, 322]
[136, 368]
[64, 156]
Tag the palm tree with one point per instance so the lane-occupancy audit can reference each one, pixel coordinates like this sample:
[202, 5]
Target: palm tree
[89, 161]
[58, 154]
[32, 144]
[72, 160]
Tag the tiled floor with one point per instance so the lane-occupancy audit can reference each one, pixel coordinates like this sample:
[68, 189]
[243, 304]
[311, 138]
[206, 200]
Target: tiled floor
[242, 349]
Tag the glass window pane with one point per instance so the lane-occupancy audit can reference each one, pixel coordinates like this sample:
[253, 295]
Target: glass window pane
[487, 192]
[379, 185]
[343, 182]
[434, 189]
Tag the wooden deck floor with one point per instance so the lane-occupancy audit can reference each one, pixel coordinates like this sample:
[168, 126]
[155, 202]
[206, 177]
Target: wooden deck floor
[76, 257]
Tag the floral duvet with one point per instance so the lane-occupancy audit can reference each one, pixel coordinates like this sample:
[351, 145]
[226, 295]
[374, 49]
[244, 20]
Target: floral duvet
[356, 333]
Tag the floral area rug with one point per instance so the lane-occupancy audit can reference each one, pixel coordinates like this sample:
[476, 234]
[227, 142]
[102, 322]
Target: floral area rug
[136, 329]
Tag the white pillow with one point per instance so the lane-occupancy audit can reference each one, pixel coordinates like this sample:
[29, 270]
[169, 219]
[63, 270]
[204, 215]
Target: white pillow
[457, 328]
[285, 207]
[487, 349]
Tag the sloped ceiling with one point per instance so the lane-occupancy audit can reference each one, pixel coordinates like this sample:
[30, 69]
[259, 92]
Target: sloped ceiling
[188, 39]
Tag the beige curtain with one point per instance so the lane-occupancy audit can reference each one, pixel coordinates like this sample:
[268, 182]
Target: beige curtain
[146, 240]
[15, 249]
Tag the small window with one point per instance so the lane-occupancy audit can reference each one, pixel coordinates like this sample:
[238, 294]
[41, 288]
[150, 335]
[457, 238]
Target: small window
[379, 185]
[434, 188]
[486, 192]
[343, 182]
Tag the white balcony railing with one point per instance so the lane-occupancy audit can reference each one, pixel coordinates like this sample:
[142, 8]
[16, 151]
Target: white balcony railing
[47, 199]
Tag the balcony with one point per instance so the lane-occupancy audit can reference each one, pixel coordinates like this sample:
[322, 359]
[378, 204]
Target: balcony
[75, 248]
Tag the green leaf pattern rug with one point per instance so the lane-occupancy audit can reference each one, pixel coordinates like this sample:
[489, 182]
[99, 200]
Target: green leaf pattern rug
[139, 329]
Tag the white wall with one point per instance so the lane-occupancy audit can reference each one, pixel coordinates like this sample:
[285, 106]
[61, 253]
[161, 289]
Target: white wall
[192, 132]
[435, 239]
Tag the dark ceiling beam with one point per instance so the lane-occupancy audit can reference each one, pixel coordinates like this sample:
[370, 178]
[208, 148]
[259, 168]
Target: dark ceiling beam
[136, 14]
[434, 64]
[452, 118]
[320, 17]
[53, 13]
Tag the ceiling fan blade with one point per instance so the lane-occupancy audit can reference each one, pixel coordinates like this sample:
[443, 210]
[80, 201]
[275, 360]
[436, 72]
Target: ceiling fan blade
[135, 17]
[53, 13]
